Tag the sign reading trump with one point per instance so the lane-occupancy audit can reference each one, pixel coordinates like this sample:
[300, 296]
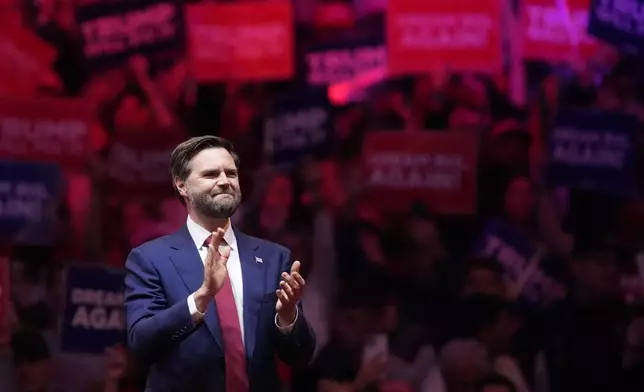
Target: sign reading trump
[94, 318]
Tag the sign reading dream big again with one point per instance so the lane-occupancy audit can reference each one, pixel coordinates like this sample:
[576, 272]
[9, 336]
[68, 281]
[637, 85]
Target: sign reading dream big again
[94, 318]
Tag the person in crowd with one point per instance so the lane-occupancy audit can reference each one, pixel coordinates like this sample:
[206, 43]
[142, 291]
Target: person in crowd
[483, 275]
[582, 337]
[462, 362]
[32, 362]
[122, 373]
[533, 272]
[347, 362]
[495, 383]
[490, 320]
[412, 353]
[173, 283]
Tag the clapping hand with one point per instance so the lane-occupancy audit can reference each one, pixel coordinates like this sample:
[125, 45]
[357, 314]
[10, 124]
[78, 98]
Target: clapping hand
[288, 295]
[215, 271]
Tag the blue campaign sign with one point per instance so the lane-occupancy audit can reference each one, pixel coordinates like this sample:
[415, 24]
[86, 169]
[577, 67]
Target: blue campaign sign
[113, 31]
[341, 61]
[29, 197]
[94, 309]
[618, 22]
[299, 124]
[594, 150]
[515, 251]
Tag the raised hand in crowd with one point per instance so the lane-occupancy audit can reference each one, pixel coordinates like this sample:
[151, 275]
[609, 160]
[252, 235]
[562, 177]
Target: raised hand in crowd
[371, 371]
[116, 362]
[139, 67]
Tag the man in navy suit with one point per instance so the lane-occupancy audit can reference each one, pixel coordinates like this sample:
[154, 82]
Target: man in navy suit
[208, 307]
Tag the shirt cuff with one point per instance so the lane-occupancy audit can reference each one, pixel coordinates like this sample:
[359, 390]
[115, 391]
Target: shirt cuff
[192, 307]
[289, 328]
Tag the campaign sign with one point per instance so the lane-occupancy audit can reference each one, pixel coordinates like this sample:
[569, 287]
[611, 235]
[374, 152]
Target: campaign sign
[618, 22]
[299, 125]
[112, 32]
[425, 36]
[138, 162]
[29, 196]
[251, 41]
[94, 309]
[546, 31]
[46, 130]
[514, 251]
[438, 168]
[593, 150]
[342, 61]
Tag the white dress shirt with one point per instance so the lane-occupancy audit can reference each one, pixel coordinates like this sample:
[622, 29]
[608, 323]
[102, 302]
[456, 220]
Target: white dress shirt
[199, 236]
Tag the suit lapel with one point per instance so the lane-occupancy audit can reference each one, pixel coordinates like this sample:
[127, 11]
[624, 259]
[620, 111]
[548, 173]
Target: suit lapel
[188, 263]
[254, 275]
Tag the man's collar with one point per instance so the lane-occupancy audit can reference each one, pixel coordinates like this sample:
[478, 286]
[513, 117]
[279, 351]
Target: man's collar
[199, 234]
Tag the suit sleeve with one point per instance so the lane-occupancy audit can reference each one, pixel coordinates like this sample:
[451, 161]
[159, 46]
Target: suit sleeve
[152, 325]
[295, 348]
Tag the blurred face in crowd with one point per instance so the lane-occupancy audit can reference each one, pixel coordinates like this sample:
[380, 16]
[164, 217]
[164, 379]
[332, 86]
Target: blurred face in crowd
[511, 149]
[483, 281]
[133, 215]
[212, 187]
[33, 376]
[424, 90]
[496, 388]
[497, 336]
[597, 275]
[464, 119]
[463, 376]
[385, 318]
[519, 200]
[423, 231]
[350, 325]
[279, 194]
[171, 81]
[245, 113]
[131, 113]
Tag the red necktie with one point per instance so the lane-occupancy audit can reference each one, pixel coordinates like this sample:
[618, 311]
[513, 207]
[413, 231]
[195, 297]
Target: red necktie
[234, 353]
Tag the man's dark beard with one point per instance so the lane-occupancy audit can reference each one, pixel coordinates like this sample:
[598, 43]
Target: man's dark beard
[216, 210]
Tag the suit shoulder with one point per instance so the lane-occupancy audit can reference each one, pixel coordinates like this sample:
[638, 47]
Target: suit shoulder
[152, 245]
[260, 242]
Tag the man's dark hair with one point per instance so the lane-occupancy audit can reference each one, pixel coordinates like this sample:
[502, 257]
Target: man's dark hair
[477, 312]
[495, 379]
[184, 153]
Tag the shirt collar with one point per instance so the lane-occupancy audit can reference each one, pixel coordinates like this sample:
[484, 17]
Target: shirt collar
[199, 234]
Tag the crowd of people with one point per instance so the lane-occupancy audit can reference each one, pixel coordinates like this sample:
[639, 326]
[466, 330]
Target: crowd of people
[409, 300]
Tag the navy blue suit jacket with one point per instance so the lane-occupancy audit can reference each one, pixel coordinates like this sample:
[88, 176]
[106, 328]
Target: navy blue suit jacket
[182, 356]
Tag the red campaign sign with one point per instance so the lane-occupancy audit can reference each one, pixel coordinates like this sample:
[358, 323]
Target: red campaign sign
[46, 130]
[241, 41]
[5, 301]
[138, 164]
[438, 168]
[546, 30]
[425, 36]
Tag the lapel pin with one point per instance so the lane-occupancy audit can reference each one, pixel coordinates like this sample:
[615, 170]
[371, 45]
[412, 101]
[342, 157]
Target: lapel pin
[258, 260]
